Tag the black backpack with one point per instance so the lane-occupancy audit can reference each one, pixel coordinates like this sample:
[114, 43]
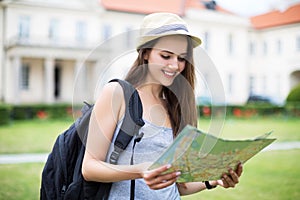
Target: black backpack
[61, 176]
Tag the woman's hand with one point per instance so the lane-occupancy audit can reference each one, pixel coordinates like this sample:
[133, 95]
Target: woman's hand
[227, 181]
[230, 179]
[158, 179]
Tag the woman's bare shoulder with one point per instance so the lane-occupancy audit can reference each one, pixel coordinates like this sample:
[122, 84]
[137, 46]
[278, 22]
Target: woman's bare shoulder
[111, 97]
[111, 90]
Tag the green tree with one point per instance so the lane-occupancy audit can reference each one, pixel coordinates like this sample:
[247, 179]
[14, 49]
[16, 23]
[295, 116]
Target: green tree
[294, 95]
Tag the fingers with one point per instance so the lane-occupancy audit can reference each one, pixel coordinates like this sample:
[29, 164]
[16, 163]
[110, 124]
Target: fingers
[163, 181]
[232, 178]
[239, 170]
[149, 175]
[158, 179]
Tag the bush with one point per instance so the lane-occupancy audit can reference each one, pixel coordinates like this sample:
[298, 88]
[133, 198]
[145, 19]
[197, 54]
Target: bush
[248, 110]
[59, 111]
[294, 95]
[53, 111]
[293, 102]
[9, 113]
[41, 111]
[21, 112]
[5, 113]
[293, 108]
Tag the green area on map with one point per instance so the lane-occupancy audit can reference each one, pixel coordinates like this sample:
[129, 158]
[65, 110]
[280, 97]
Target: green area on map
[201, 157]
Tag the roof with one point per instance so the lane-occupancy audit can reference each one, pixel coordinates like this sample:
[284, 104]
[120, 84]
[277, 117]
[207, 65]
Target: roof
[150, 6]
[205, 5]
[277, 18]
[145, 6]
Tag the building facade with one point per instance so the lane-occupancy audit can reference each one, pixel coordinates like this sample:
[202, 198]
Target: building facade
[59, 52]
[43, 48]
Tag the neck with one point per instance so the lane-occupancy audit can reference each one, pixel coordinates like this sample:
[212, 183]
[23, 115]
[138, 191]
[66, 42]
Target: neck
[151, 89]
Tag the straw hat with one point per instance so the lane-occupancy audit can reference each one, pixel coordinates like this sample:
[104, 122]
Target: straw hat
[157, 25]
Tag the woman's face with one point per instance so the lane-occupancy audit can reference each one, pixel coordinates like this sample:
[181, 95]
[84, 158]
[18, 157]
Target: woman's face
[166, 59]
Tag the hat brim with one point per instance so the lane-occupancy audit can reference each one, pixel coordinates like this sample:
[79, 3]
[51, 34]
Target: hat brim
[196, 41]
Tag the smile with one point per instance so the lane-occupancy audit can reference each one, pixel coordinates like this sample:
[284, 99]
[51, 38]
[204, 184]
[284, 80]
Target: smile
[170, 74]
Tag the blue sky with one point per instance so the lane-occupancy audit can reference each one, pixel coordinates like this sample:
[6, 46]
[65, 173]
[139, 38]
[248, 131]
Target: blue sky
[254, 7]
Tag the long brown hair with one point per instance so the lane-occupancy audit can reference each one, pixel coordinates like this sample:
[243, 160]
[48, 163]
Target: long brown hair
[179, 96]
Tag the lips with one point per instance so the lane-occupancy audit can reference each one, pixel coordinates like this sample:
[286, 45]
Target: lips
[169, 74]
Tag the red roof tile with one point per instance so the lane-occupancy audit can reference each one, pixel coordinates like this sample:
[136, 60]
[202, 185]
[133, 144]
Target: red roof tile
[277, 18]
[150, 6]
[145, 6]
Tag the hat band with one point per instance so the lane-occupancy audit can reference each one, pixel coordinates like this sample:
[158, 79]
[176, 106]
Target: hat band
[167, 28]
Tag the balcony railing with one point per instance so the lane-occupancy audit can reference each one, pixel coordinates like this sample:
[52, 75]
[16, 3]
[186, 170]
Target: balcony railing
[49, 43]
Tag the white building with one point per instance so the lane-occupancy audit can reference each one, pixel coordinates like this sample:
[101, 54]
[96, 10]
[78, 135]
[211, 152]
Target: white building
[44, 45]
[51, 50]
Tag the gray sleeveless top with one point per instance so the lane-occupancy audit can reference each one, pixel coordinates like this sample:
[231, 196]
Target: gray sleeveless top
[156, 139]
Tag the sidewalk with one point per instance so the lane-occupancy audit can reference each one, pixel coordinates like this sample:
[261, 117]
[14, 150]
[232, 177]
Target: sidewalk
[283, 146]
[23, 158]
[42, 157]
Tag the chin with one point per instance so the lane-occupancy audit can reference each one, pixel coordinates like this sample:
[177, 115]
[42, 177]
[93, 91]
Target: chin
[167, 83]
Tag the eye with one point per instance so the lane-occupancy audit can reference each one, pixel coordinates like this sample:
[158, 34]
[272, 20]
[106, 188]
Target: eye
[166, 57]
[181, 59]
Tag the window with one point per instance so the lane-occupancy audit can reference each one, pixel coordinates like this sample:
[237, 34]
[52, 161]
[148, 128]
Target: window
[53, 29]
[206, 40]
[24, 80]
[251, 48]
[279, 46]
[298, 43]
[24, 26]
[230, 44]
[230, 84]
[265, 48]
[81, 31]
[107, 31]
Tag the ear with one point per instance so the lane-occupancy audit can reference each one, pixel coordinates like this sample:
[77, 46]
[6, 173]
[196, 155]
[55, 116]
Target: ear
[146, 55]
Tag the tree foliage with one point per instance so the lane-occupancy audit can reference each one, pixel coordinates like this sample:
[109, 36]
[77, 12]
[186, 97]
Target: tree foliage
[294, 95]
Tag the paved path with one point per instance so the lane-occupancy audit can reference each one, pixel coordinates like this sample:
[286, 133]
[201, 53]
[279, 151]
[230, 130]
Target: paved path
[282, 146]
[42, 157]
[23, 158]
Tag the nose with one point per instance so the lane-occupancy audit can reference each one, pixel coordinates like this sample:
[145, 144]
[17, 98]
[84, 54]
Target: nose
[173, 64]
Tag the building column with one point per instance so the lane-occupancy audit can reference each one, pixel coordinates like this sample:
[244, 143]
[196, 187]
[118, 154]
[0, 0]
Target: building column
[79, 94]
[49, 80]
[99, 77]
[16, 78]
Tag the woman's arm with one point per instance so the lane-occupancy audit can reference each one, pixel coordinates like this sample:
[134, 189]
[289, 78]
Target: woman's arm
[108, 110]
[228, 180]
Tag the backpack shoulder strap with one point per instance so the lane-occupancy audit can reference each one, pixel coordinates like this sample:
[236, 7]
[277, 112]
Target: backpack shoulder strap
[132, 119]
[82, 123]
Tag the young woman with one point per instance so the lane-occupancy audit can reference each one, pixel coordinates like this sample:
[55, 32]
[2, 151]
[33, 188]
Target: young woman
[164, 77]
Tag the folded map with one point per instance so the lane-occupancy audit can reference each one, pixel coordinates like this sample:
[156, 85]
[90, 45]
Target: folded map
[201, 157]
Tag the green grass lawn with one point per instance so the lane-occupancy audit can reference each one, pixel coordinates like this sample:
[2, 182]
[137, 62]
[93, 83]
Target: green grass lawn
[284, 129]
[33, 136]
[38, 136]
[20, 181]
[270, 175]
